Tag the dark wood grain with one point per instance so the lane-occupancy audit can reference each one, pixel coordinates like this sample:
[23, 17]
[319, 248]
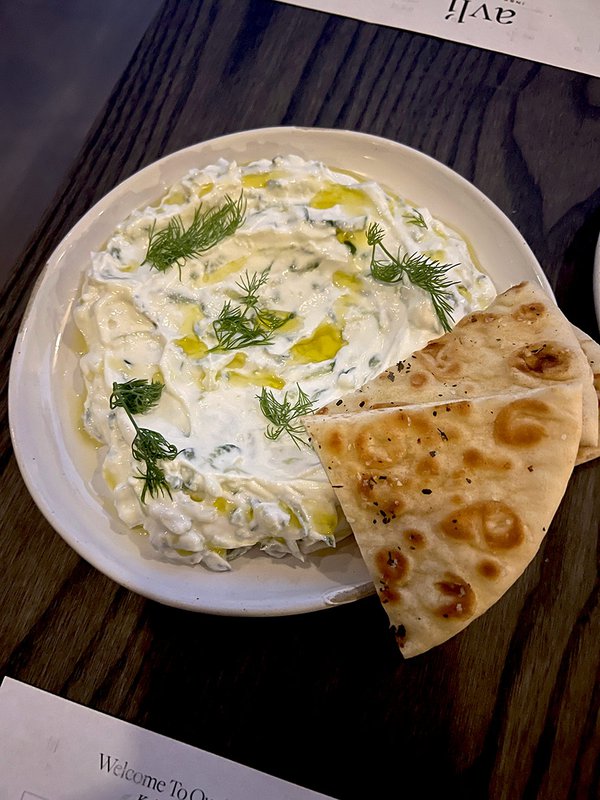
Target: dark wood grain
[509, 708]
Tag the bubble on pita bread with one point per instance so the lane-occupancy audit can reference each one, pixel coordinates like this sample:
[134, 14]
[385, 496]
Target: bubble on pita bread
[490, 523]
[522, 423]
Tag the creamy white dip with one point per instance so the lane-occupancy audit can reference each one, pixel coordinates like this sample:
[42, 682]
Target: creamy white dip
[231, 487]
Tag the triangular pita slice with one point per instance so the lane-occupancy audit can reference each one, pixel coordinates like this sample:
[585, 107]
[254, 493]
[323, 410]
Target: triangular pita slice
[591, 351]
[521, 341]
[449, 502]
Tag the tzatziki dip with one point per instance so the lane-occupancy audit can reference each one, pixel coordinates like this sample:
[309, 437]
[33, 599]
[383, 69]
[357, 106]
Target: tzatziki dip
[245, 298]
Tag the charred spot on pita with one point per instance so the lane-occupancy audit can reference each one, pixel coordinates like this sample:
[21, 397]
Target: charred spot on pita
[488, 569]
[377, 491]
[399, 632]
[544, 359]
[475, 459]
[528, 312]
[414, 538]
[522, 423]
[428, 466]
[334, 442]
[490, 523]
[393, 569]
[457, 598]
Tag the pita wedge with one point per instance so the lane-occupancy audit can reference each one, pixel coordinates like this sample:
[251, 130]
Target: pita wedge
[521, 341]
[449, 502]
[591, 351]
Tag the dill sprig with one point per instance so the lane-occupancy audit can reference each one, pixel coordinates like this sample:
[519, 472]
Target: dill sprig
[283, 415]
[137, 397]
[422, 271]
[175, 244]
[415, 218]
[246, 325]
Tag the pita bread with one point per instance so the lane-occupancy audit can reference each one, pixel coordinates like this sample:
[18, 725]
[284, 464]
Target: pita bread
[521, 341]
[591, 350]
[449, 502]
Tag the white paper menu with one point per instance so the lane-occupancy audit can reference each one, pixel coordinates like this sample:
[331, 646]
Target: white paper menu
[563, 33]
[53, 749]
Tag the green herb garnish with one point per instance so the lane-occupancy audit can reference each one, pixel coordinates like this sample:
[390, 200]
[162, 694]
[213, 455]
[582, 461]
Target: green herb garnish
[174, 245]
[422, 271]
[246, 325]
[416, 218]
[283, 415]
[137, 397]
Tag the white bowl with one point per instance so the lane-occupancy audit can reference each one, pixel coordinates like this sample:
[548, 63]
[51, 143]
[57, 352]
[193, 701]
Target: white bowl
[59, 464]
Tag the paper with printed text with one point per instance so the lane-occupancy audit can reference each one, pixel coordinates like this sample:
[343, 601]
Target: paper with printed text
[53, 749]
[563, 33]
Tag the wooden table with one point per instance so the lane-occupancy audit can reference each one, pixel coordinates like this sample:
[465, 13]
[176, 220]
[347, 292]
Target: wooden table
[509, 708]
